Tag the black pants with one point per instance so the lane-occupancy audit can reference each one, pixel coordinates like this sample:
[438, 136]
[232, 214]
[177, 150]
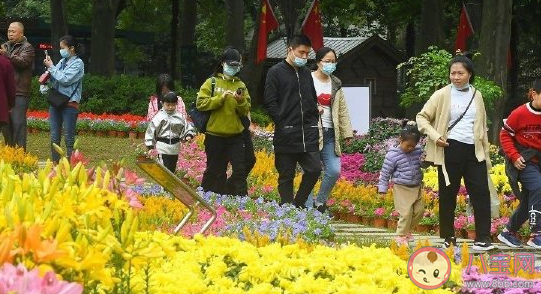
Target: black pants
[6, 133]
[249, 153]
[170, 161]
[461, 162]
[530, 204]
[286, 164]
[220, 151]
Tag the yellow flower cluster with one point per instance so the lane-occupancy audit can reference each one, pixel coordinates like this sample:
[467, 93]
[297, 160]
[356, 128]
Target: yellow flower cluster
[225, 265]
[160, 213]
[68, 222]
[20, 161]
[497, 174]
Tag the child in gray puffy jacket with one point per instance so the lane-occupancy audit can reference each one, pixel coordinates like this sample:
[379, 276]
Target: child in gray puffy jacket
[402, 166]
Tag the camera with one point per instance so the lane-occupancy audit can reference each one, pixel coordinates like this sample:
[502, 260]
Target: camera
[239, 91]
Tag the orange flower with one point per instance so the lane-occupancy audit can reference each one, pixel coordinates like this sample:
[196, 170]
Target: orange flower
[43, 251]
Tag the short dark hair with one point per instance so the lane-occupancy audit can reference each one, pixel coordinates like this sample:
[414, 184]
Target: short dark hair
[536, 85]
[410, 131]
[164, 80]
[170, 97]
[71, 42]
[298, 40]
[322, 52]
[466, 60]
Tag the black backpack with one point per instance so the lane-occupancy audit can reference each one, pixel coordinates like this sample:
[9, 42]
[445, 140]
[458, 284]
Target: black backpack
[201, 118]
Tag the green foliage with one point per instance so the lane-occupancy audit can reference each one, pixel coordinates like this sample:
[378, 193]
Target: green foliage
[118, 94]
[210, 29]
[425, 74]
[130, 54]
[430, 71]
[2, 9]
[373, 162]
[381, 129]
[30, 9]
[260, 117]
[491, 92]
[262, 144]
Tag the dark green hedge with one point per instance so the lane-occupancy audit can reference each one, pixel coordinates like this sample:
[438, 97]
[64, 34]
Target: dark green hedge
[122, 94]
[117, 94]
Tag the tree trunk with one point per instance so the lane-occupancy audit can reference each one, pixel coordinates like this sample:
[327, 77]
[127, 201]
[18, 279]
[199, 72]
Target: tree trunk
[188, 50]
[59, 26]
[430, 29]
[252, 73]
[290, 11]
[513, 100]
[493, 46]
[410, 40]
[102, 51]
[234, 35]
[175, 10]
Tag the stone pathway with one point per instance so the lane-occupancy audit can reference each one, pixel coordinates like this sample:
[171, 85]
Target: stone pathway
[359, 232]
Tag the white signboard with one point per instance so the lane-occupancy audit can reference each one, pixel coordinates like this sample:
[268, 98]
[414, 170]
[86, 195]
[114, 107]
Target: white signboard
[358, 100]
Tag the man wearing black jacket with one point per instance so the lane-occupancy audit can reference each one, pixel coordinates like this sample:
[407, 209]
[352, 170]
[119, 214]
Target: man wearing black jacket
[290, 99]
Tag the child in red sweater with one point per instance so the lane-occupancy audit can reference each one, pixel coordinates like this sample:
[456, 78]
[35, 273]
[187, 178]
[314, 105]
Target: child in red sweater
[520, 139]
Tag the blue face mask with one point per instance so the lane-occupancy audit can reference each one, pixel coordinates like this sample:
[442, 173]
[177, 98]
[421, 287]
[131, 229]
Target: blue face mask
[64, 53]
[231, 70]
[328, 68]
[299, 61]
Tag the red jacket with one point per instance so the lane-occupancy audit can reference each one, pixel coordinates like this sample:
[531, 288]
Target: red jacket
[523, 126]
[7, 88]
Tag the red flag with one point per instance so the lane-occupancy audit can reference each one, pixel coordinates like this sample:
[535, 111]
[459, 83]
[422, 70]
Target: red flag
[465, 30]
[311, 26]
[267, 23]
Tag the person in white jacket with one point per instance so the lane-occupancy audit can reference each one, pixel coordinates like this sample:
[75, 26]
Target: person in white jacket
[166, 130]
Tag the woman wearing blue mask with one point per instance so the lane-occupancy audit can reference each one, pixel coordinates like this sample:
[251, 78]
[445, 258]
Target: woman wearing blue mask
[334, 119]
[66, 78]
[225, 96]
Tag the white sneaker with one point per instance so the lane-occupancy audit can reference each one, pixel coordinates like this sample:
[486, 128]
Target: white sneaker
[482, 246]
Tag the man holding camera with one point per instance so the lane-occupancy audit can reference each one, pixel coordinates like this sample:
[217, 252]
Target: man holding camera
[21, 54]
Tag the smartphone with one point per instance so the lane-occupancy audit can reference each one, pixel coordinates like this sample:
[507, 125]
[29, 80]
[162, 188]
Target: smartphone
[239, 91]
[46, 53]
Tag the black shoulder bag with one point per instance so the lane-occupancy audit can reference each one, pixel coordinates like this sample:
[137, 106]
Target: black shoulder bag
[201, 118]
[57, 99]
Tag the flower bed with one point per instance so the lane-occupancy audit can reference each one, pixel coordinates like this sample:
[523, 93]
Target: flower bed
[79, 222]
[92, 123]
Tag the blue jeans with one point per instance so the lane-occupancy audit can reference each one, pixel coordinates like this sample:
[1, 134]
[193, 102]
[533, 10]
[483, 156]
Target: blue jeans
[331, 169]
[530, 178]
[62, 118]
